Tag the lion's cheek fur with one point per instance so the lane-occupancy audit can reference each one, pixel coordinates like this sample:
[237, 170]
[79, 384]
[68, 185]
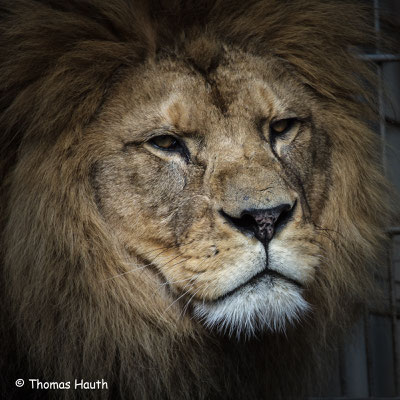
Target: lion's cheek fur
[295, 258]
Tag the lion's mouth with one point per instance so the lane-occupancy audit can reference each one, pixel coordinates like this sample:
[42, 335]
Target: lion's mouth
[268, 300]
[266, 272]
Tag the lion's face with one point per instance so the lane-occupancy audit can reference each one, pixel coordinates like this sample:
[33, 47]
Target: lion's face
[214, 182]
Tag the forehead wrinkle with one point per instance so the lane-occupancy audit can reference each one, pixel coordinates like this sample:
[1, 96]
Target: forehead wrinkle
[171, 109]
[288, 103]
[250, 96]
[270, 104]
[185, 118]
[211, 85]
[179, 113]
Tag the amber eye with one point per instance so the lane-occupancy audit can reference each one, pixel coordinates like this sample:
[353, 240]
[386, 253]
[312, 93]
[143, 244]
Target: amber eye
[169, 143]
[282, 126]
[165, 142]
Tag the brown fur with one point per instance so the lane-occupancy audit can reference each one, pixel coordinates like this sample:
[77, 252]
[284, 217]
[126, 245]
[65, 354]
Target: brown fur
[82, 201]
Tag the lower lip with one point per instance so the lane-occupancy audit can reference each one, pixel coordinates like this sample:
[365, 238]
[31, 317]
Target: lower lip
[265, 272]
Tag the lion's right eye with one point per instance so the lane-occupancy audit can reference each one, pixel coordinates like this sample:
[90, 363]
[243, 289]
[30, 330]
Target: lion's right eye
[169, 143]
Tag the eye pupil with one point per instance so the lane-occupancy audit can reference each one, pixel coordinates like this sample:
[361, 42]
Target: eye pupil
[170, 144]
[164, 142]
[280, 126]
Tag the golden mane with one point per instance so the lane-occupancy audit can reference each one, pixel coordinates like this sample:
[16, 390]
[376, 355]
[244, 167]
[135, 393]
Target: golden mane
[59, 61]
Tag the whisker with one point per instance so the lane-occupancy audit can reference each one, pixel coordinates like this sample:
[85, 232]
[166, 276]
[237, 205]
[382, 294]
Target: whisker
[139, 268]
[175, 259]
[203, 302]
[170, 282]
[191, 298]
[183, 294]
[184, 309]
[182, 313]
[126, 272]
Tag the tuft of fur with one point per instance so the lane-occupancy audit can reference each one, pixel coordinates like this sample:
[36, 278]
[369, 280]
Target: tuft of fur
[61, 318]
[244, 318]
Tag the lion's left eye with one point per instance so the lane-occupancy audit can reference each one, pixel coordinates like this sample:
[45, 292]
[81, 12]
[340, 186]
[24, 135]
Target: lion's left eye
[165, 142]
[282, 126]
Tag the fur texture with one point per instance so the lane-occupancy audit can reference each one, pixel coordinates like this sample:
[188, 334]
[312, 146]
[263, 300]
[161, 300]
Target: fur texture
[117, 262]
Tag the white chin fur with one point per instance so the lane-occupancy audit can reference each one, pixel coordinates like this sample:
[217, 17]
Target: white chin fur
[269, 304]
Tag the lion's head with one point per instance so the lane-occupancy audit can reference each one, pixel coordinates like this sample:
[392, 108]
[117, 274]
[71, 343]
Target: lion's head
[216, 178]
[178, 175]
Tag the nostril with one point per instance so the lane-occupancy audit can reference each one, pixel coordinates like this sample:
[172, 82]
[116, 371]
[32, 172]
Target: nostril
[262, 223]
[246, 223]
[285, 216]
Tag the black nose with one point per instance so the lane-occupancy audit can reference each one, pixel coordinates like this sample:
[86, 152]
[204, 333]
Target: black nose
[261, 222]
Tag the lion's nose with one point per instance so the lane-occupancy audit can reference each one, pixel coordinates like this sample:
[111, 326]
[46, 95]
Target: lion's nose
[261, 222]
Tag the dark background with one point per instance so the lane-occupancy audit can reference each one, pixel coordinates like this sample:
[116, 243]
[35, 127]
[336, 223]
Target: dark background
[368, 364]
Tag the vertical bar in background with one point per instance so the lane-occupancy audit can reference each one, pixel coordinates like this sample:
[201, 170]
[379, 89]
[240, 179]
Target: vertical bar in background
[370, 376]
[381, 347]
[382, 133]
[342, 370]
[382, 126]
[390, 75]
[396, 267]
[393, 311]
[354, 364]
[387, 381]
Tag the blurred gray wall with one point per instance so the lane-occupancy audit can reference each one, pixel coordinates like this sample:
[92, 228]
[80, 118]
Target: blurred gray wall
[368, 365]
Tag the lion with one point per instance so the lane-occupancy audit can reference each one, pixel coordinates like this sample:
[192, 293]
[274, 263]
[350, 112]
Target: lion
[192, 200]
